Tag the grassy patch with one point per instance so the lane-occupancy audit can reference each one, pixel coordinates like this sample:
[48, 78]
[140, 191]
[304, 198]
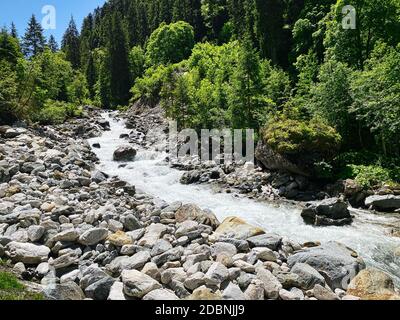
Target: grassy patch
[12, 289]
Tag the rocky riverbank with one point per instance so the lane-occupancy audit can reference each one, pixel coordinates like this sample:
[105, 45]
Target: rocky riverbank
[80, 234]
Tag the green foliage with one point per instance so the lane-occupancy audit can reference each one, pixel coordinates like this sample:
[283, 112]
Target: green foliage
[170, 43]
[12, 289]
[78, 91]
[136, 62]
[8, 93]
[148, 88]
[368, 176]
[288, 136]
[56, 112]
[331, 97]
[10, 50]
[376, 93]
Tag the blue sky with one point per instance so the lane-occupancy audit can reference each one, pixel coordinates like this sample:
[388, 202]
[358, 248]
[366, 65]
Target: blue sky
[20, 11]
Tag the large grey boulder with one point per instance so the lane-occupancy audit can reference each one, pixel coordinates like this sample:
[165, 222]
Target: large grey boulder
[27, 253]
[233, 292]
[93, 236]
[271, 284]
[308, 276]
[332, 211]
[124, 153]
[269, 240]
[274, 161]
[334, 261]
[100, 289]
[138, 284]
[383, 203]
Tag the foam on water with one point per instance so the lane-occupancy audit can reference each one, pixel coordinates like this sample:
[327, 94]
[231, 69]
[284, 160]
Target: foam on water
[367, 234]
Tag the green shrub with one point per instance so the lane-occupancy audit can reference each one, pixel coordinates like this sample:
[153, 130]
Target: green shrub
[292, 137]
[56, 112]
[368, 176]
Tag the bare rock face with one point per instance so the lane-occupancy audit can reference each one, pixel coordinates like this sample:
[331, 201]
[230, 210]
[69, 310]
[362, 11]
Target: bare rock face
[125, 153]
[372, 284]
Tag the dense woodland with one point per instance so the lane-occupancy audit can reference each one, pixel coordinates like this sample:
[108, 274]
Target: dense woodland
[286, 68]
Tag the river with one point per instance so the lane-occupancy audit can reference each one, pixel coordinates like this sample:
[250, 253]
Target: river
[368, 234]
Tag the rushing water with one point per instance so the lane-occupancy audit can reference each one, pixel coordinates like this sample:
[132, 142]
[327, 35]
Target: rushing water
[368, 234]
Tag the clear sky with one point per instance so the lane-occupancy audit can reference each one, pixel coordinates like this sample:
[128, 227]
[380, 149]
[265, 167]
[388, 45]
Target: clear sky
[19, 11]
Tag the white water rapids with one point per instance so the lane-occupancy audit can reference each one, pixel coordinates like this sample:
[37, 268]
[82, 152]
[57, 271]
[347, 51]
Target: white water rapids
[368, 234]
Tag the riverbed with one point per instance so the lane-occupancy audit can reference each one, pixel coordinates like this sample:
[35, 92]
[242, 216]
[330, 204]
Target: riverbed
[368, 234]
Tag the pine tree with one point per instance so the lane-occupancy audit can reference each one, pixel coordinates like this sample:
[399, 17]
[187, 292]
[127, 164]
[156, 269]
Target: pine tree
[13, 31]
[91, 75]
[71, 44]
[52, 44]
[33, 41]
[118, 55]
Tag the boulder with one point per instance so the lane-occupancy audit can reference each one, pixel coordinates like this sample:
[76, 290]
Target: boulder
[161, 294]
[323, 293]
[233, 292]
[332, 211]
[93, 236]
[63, 291]
[334, 261]
[64, 261]
[195, 280]
[190, 177]
[124, 153]
[204, 293]
[14, 132]
[100, 289]
[383, 203]
[117, 292]
[35, 233]
[237, 228]
[193, 212]
[268, 240]
[152, 234]
[138, 284]
[27, 253]
[91, 275]
[255, 290]
[98, 176]
[372, 284]
[271, 284]
[308, 276]
[275, 161]
[216, 274]
[120, 239]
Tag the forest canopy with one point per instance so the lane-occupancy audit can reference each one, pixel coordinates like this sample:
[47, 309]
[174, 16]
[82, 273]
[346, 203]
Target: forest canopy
[261, 64]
